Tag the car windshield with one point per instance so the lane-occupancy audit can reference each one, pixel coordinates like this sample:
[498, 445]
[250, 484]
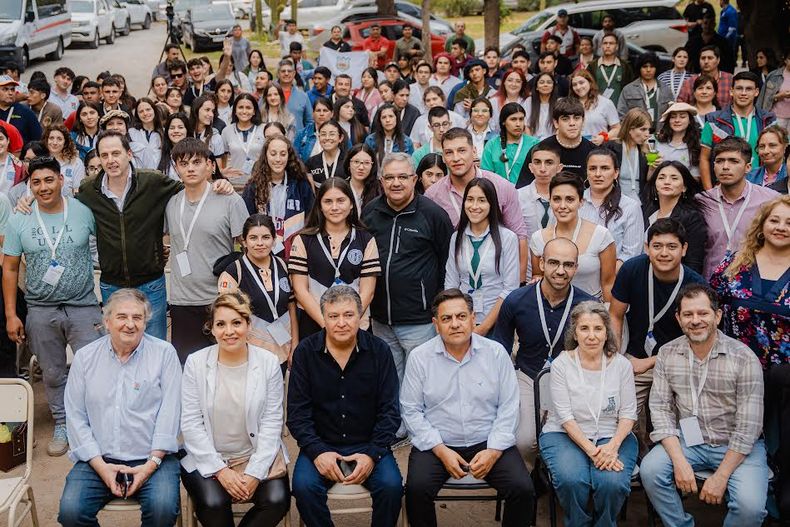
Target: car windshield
[533, 24]
[81, 6]
[184, 5]
[10, 10]
[217, 12]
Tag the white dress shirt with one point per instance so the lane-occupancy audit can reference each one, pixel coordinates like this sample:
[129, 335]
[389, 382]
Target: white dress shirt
[460, 404]
[628, 230]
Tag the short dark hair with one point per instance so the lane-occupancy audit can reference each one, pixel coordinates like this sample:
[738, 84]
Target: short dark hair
[457, 133]
[567, 178]
[91, 84]
[194, 63]
[715, 49]
[566, 106]
[492, 48]
[190, 147]
[111, 82]
[10, 66]
[295, 46]
[648, 58]
[40, 85]
[667, 226]
[461, 43]
[451, 294]
[171, 46]
[733, 144]
[544, 147]
[437, 111]
[177, 65]
[63, 70]
[43, 163]
[399, 85]
[694, 290]
[108, 134]
[547, 54]
[521, 53]
[746, 76]
[323, 71]
[555, 38]
[342, 76]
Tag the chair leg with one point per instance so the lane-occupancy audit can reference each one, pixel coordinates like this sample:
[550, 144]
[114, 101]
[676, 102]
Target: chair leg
[552, 509]
[498, 509]
[33, 511]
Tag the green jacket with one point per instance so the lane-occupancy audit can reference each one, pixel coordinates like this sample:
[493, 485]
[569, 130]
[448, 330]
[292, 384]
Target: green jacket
[130, 246]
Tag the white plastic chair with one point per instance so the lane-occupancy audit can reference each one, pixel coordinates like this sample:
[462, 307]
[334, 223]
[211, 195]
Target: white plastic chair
[17, 407]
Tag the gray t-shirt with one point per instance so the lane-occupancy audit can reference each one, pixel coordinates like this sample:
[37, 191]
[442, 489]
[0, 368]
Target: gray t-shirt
[219, 222]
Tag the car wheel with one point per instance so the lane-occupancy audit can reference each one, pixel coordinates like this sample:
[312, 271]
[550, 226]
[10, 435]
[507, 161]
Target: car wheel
[25, 60]
[195, 47]
[127, 28]
[111, 37]
[58, 53]
[94, 44]
[147, 22]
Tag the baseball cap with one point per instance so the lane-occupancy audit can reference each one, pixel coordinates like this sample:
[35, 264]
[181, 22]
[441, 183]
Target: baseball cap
[5, 80]
[562, 12]
[391, 65]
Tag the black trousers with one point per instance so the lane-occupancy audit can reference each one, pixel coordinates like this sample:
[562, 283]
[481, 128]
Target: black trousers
[509, 476]
[777, 411]
[270, 502]
[186, 330]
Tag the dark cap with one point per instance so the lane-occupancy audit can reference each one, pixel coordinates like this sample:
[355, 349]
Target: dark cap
[391, 65]
[562, 12]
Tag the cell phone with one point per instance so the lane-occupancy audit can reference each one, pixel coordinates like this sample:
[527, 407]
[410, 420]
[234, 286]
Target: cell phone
[125, 481]
[346, 467]
[465, 468]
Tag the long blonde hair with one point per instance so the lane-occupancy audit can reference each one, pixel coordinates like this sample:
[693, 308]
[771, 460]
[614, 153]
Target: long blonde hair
[754, 239]
[634, 118]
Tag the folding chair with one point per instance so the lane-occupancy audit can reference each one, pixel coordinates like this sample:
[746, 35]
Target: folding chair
[469, 483]
[17, 407]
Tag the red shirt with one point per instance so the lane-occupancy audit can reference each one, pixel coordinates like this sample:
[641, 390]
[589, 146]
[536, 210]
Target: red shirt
[381, 43]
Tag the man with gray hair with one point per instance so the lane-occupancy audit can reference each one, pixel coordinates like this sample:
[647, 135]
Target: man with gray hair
[123, 405]
[413, 237]
[296, 99]
[343, 413]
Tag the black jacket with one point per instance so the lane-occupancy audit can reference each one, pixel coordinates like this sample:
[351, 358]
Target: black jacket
[130, 242]
[410, 115]
[413, 245]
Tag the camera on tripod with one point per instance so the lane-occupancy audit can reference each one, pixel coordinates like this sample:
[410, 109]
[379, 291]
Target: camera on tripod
[173, 30]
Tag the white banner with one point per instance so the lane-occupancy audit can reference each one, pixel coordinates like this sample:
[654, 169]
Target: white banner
[350, 63]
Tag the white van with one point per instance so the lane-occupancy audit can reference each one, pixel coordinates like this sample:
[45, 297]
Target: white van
[31, 29]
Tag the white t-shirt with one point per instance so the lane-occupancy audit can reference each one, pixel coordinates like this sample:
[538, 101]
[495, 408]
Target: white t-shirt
[286, 38]
[73, 173]
[600, 118]
[575, 395]
[8, 175]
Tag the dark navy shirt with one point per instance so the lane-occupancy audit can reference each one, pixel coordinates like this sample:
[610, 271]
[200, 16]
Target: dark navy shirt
[519, 314]
[329, 407]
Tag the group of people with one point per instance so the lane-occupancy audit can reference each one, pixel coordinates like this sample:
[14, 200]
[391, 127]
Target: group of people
[416, 252]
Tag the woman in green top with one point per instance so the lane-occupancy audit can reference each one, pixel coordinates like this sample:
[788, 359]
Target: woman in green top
[506, 154]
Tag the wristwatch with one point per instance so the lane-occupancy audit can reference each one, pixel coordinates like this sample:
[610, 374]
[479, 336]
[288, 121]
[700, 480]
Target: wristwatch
[157, 460]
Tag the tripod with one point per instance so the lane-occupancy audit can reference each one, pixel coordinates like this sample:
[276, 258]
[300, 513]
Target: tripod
[173, 34]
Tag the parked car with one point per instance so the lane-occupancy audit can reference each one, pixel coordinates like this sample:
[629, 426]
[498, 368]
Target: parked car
[652, 24]
[122, 19]
[205, 27]
[156, 7]
[139, 13]
[92, 21]
[391, 28]
[33, 29]
[244, 8]
[406, 10]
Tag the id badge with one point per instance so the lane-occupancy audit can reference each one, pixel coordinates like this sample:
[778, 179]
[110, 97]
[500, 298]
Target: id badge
[477, 300]
[280, 330]
[183, 264]
[650, 344]
[248, 164]
[608, 92]
[692, 434]
[53, 274]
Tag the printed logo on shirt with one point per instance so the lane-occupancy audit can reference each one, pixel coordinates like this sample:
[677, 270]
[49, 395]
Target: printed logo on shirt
[611, 405]
[285, 285]
[355, 256]
[410, 229]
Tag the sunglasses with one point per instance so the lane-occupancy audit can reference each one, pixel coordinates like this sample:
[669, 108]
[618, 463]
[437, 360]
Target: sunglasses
[176, 75]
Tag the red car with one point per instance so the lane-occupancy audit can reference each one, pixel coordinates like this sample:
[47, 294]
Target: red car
[391, 29]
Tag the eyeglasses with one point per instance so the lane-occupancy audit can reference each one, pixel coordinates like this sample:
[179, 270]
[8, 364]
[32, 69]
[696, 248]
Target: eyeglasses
[555, 263]
[357, 163]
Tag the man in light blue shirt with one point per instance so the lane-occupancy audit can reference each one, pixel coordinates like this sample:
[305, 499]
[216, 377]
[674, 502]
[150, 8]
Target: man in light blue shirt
[123, 405]
[459, 400]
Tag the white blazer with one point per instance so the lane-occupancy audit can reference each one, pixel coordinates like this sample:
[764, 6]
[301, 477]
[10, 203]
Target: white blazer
[263, 411]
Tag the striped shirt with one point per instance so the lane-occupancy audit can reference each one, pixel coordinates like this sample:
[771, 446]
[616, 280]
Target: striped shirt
[731, 403]
[673, 82]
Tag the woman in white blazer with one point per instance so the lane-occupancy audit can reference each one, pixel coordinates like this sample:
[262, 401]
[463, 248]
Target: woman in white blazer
[231, 421]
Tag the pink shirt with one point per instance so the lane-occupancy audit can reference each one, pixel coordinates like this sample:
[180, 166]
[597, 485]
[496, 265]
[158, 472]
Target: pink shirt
[716, 244]
[444, 194]
[782, 108]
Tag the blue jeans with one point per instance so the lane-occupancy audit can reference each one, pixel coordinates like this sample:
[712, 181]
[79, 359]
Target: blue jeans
[85, 494]
[402, 339]
[385, 484]
[747, 487]
[575, 477]
[156, 292]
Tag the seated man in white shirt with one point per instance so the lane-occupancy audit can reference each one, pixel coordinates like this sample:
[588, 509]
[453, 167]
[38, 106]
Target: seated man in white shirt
[459, 401]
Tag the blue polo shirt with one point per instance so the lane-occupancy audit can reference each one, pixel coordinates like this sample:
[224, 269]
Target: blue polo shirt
[519, 314]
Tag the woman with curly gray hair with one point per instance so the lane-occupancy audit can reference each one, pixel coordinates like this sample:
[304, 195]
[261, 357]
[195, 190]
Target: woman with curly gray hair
[587, 442]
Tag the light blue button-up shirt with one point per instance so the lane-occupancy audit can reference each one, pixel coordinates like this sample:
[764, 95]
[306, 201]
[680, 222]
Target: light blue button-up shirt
[123, 410]
[460, 404]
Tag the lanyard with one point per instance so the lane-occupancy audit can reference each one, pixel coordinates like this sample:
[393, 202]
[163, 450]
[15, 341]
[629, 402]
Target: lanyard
[632, 160]
[749, 121]
[487, 243]
[187, 234]
[730, 229]
[608, 78]
[327, 175]
[245, 145]
[275, 284]
[542, 313]
[53, 246]
[675, 90]
[41, 112]
[652, 317]
[596, 414]
[342, 254]
[575, 231]
[648, 96]
[508, 166]
[696, 391]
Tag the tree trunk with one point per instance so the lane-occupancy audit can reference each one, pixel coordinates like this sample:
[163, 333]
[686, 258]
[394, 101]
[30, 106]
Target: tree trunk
[386, 7]
[767, 26]
[259, 29]
[294, 12]
[426, 30]
[491, 23]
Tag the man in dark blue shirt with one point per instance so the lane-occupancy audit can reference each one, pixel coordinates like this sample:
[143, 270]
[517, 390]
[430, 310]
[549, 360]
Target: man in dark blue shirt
[16, 113]
[635, 300]
[540, 338]
[343, 413]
